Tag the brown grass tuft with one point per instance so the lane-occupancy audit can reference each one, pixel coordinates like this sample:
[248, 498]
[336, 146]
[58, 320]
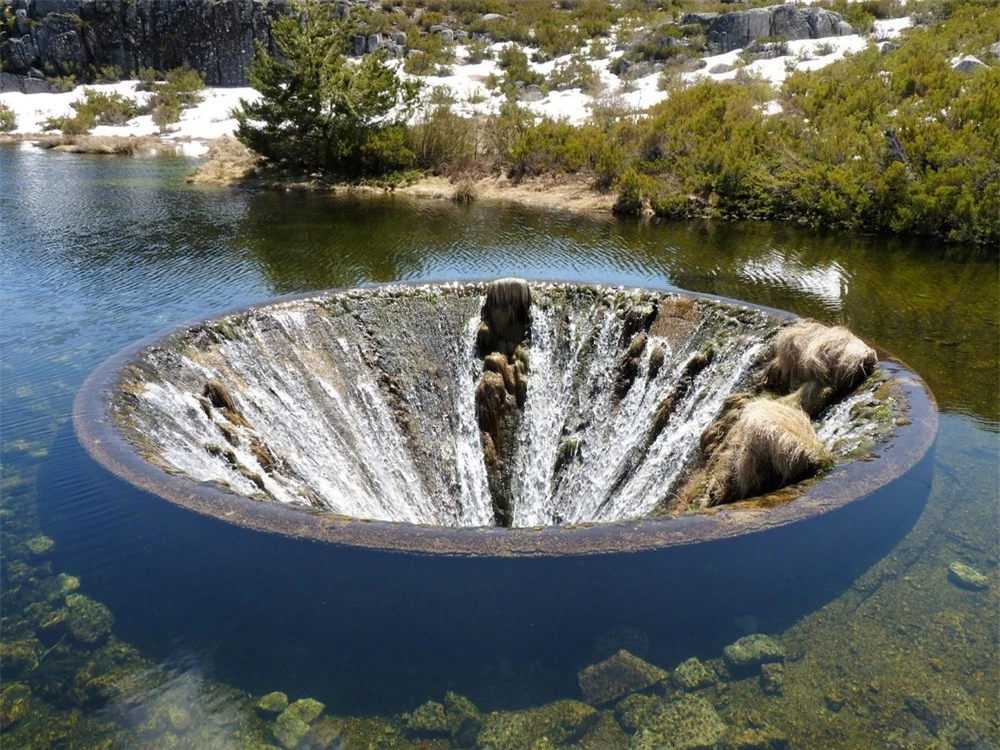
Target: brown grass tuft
[98, 144]
[768, 445]
[465, 192]
[809, 351]
[227, 162]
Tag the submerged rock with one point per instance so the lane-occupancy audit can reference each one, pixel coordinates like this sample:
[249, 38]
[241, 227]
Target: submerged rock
[686, 724]
[271, 704]
[14, 702]
[751, 650]
[967, 577]
[692, 675]
[306, 709]
[66, 584]
[114, 672]
[293, 722]
[950, 716]
[755, 738]
[53, 626]
[289, 730]
[560, 722]
[18, 657]
[89, 622]
[464, 719]
[631, 712]
[40, 545]
[618, 676]
[428, 720]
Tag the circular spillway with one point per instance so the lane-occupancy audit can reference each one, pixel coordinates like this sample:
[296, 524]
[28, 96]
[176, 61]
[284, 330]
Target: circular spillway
[506, 418]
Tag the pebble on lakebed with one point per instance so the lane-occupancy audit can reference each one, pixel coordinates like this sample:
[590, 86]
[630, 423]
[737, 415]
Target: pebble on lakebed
[967, 577]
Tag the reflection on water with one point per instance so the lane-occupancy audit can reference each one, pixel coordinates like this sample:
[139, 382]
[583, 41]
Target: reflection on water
[99, 252]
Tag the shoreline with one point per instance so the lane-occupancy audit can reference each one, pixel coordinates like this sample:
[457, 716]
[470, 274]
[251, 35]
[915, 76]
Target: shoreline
[228, 163]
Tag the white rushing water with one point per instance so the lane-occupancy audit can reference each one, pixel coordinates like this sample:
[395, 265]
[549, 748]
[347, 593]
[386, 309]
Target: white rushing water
[367, 407]
[612, 470]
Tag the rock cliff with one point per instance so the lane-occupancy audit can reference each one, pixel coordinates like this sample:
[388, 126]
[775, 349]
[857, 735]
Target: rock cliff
[73, 37]
[739, 29]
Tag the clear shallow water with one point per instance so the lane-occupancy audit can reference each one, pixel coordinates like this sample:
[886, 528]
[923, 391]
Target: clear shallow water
[97, 253]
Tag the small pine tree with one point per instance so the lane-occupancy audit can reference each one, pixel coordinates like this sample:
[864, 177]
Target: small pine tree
[319, 111]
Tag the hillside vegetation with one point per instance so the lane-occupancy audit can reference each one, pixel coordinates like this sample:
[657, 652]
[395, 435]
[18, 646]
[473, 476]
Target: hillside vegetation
[892, 140]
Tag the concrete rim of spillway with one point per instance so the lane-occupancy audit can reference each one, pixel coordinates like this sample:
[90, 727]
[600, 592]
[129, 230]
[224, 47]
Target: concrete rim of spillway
[843, 485]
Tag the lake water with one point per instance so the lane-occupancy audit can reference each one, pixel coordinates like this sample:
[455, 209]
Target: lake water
[99, 252]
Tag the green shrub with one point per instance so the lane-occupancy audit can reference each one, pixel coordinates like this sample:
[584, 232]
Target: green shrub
[575, 73]
[514, 63]
[432, 58]
[441, 137]
[632, 188]
[106, 109]
[95, 108]
[8, 119]
[478, 51]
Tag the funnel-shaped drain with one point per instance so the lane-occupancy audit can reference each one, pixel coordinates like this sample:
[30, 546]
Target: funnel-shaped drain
[480, 406]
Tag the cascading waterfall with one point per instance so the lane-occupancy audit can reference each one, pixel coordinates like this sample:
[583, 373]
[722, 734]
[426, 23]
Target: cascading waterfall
[365, 403]
[612, 468]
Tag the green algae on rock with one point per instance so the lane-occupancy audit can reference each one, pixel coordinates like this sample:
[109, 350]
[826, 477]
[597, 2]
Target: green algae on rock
[692, 675]
[271, 704]
[967, 577]
[14, 700]
[690, 723]
[89, 621]
[560, 722]
[617, 676]
[752, 650]
[428, 720]
[40, 545]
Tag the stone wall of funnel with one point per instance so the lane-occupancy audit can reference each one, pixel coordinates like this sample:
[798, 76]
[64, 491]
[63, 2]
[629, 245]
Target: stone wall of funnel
[469, 405]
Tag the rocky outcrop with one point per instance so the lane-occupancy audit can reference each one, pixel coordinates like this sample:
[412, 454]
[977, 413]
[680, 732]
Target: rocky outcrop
[80, 37]
[737, 30]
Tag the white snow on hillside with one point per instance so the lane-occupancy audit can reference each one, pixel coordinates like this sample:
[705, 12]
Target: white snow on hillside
[211, 118]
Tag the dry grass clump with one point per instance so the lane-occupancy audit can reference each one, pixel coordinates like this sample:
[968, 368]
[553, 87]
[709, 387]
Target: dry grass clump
[98, 144]
[506, 316]
[465, 192]
[761, 443]
[227, 162]
[807, 351]
[761, 446]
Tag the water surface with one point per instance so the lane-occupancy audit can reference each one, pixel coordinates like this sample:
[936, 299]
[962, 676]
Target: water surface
[98, 252]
